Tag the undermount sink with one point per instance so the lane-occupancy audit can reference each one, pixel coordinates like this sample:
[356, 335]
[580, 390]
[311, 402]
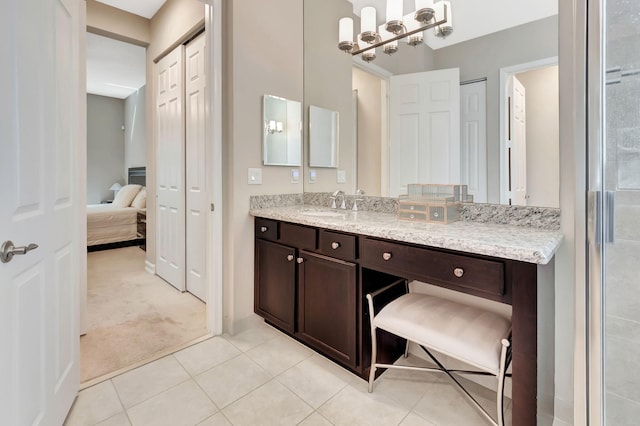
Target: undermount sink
[323, 214]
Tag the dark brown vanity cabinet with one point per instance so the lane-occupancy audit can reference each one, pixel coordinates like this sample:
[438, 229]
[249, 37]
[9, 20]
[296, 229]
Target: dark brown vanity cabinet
[275, 284]
[327, 290]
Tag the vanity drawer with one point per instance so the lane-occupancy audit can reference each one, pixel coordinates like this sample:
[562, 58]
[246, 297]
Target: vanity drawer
[435, 267]
[302, 237]
[340, 246]
[266, 229]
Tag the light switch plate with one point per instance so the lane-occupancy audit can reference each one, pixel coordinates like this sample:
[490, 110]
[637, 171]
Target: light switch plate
[342, 176]
[255, 176]
[312, 176]
[295, 176]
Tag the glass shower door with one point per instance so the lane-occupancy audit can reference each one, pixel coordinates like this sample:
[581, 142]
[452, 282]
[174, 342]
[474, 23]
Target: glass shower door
[614, 176]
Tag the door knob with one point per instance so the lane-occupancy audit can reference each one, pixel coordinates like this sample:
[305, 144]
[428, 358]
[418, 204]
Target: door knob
[8, 250]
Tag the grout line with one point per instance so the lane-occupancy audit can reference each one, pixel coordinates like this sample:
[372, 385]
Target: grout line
[150, 359]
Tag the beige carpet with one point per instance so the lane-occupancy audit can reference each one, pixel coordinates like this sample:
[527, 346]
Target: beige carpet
[132, 314]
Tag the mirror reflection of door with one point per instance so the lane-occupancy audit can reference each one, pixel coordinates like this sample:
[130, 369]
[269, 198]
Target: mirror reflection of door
[517, 131]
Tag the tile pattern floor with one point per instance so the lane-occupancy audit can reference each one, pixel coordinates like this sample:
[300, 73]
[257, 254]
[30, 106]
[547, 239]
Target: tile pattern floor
[262, 377]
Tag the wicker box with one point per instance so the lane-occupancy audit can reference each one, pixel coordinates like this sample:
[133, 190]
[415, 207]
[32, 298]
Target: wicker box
[434, 191]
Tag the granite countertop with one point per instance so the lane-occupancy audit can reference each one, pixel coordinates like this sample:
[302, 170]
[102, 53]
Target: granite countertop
[531, 245]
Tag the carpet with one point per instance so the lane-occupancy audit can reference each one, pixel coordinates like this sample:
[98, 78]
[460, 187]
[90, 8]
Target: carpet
[132, 314]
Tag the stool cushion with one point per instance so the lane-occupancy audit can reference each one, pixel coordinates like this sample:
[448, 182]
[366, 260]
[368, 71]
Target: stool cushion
[467, 333]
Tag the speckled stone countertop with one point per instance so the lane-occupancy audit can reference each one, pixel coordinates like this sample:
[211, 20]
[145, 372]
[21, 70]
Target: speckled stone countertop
[530, 245]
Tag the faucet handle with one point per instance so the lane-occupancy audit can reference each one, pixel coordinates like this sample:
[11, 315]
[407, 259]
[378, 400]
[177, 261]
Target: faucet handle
[333, 202]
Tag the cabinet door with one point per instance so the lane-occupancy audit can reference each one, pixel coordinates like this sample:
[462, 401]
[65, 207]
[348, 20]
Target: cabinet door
[275, 273]
[327, 306]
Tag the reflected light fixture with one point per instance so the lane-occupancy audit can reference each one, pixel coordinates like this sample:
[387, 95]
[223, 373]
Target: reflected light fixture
[274, 126]
[115, 188]
[398, 26]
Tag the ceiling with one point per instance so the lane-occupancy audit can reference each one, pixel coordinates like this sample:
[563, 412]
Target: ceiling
[474, 18]
[144, 8]
[114, 68]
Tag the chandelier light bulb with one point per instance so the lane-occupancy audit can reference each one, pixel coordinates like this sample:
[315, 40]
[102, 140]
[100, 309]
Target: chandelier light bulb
[394, 16]
[368, 32]
[345, 34]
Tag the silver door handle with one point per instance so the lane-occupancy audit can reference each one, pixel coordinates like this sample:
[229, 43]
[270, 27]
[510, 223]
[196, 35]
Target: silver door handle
[8, 250]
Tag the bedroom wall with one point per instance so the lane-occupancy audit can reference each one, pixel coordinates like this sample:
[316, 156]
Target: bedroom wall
[135, 123]
[105, 146]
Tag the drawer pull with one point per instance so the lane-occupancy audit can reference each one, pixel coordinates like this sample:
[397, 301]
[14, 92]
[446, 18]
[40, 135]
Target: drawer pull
[263, 229]
[335, 245]
[290, 257]
[300, 260]
[458, 272]
[386, 256]
[412, 208]
[412, 216]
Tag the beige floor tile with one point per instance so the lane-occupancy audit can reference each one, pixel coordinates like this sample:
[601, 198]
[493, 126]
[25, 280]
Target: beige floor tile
[315, 419]
[443, 404]
[312, 380]
[183, 405]
[149, 380]
[271, 404]
[252, 337]
[232, 379]
[120, 419]
[279, 354]
[415, 420]
[352, 406]
[217, 419]
[95, 404]
[201, 357]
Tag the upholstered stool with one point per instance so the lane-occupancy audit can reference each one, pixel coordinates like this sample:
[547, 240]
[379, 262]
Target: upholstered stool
[473, 335]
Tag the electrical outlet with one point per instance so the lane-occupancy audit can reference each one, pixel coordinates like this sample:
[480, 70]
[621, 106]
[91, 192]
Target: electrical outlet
[342, 176]
[295, 176]
[312, 176]
[255, 176]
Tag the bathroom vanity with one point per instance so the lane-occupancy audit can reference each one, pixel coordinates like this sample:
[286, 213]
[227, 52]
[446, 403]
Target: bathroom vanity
[314, 266]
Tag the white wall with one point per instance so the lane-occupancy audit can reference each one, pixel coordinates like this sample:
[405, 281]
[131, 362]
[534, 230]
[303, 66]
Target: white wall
[105, 147]
[543, 136]
[135, 131]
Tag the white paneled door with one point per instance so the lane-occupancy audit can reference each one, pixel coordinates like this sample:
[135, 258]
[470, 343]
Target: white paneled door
[473, 139]
[424, 143]
[517, 143]
[195, 104]
[170, 203]
[39, 169]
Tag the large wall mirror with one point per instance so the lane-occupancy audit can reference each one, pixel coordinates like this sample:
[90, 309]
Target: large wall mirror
[282, 135]
[495, 50]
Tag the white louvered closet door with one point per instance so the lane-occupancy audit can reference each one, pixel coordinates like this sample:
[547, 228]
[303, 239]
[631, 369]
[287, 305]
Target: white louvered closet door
[170, 183]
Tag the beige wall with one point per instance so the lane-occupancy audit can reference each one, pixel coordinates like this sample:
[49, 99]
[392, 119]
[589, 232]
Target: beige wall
[262, 44]
[543, 126]
[118, 24]
[369, 131]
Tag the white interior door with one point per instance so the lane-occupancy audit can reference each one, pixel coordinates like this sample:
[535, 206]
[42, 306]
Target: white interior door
[473, 139]
[197, 195]
[424, 144]
[39, 169]
[170, 142]
[518, 143]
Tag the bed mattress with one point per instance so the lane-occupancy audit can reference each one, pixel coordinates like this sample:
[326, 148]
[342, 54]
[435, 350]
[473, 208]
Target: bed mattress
[108, 224]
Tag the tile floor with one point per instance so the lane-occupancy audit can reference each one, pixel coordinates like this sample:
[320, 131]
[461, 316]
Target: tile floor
[262, 377]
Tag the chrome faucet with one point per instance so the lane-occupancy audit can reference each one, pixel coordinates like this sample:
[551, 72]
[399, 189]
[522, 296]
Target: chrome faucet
[335, 196]
[356, 199]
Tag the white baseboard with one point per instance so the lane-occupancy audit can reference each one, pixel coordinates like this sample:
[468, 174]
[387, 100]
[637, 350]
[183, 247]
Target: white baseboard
[149, 267]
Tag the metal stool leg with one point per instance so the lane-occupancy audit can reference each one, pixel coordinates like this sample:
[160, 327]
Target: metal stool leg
[374, 346]
[501, 376]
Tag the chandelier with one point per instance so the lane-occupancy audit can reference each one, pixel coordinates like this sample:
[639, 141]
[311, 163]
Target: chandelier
[398, 26]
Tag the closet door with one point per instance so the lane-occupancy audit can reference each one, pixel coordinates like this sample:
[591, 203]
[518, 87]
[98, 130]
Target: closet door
[170, 143]
[195, 103]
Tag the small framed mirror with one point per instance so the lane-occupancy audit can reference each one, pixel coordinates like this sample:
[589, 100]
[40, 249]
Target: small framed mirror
[323, 137]
[282, 132]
